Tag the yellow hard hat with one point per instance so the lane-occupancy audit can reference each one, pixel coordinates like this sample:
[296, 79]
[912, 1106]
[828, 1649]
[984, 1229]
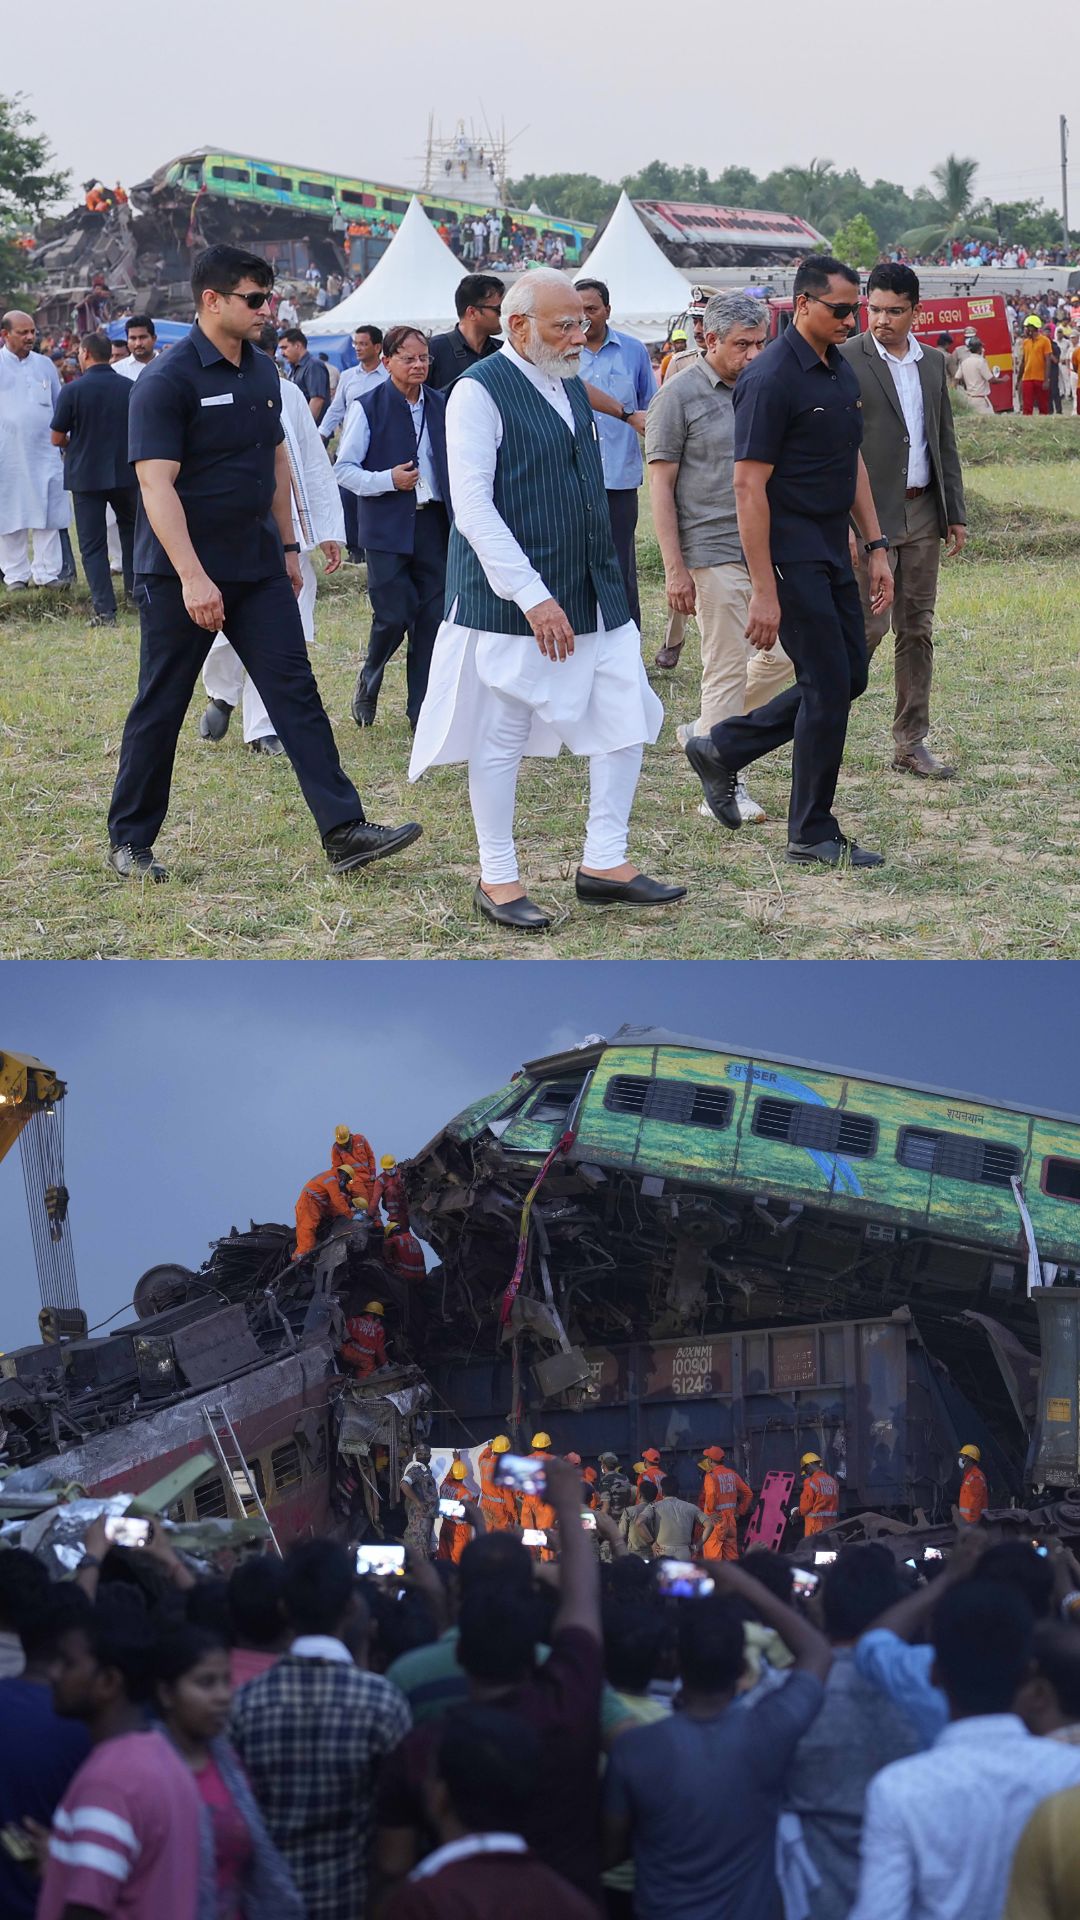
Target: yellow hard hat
[388, 1161]
[810, 1460]
[375, 1306]
[391, 1226]
[639, 1466]
[679, 333]
[970, 1453]
[1033, 320]
[500, 1444]
[343, 1135]
[541, 1440]
[459, 1470]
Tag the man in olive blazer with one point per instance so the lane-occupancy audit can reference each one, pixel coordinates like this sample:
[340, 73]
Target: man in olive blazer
[909, 446]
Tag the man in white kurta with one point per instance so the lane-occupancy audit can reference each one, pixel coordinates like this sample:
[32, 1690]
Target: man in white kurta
[318, 521]
[33, 503]
[495, 696]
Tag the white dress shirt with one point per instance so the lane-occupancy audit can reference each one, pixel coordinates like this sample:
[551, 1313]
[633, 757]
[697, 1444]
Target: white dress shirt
[130, 367]
[355, 441]
[941, 1828]
[473, 438]
[905, 375]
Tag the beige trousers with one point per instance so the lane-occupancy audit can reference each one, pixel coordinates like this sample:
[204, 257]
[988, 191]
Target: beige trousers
[723, 601]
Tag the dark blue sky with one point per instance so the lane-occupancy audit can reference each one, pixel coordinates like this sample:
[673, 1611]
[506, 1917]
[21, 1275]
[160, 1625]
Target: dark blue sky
[202, 1094]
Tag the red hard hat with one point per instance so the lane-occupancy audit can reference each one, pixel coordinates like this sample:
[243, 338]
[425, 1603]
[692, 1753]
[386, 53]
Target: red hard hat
[574, 1459]
[651, 1454]
[713, 1453]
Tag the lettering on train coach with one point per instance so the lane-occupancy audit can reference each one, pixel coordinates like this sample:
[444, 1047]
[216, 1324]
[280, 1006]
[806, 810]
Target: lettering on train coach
[968, 1119]
[690, 1370]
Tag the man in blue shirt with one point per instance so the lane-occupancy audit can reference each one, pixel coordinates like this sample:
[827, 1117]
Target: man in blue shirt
[799, 480]
[310, 375]
[214, 551]
[621, 367]
[369, 371]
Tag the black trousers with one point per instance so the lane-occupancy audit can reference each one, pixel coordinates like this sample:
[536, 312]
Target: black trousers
[348, 508]
[94, 540]
[623, 512]
[821, 627]
[406, 591]
[262, 621]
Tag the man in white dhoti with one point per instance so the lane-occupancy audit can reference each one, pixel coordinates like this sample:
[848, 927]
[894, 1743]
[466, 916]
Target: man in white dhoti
[538, 651]
[33, 503]
[318, 521]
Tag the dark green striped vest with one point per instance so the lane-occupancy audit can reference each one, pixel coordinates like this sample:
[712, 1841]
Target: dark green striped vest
[549, 489]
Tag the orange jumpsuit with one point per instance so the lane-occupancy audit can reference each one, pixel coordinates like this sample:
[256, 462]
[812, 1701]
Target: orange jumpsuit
[403, 1255]
[535, 1512]
[656, 1475]
[358, 1154]
[727, 1497]
[496, 1500]
[364, 1346]
[390, 1194]
[819, 1502]
[321, 1199]
[974, 1498]
[454, 1535]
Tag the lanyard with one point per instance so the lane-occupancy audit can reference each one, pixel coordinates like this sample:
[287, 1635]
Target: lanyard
[423, 417]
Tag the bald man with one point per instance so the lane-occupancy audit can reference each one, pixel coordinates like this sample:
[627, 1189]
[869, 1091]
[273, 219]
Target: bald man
[33, 503]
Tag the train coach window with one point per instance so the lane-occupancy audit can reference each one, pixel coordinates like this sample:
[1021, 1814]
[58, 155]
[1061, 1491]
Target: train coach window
[285, 1464]
[230, 173]
[797, 1123]
[391, 205]
[678, 1102]
[1061, 1178]
[554, 1100]
[956, 1157]
[209, 1497]
[279, 182]
[314, 191]
[349, 199]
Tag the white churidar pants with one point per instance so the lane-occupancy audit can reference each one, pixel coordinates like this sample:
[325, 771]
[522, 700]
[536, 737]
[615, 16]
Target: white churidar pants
[15, 556]
[112, 539]
[224, 677]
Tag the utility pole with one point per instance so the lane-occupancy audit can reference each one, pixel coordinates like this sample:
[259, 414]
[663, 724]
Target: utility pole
[1064, 125]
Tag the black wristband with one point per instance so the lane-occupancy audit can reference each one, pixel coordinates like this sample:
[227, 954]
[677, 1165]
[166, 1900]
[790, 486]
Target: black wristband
[291, 546]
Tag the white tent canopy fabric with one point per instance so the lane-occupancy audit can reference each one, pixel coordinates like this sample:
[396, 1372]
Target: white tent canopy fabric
[645, 288]
[414, 282]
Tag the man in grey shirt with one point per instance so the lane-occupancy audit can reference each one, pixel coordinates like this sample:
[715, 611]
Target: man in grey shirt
[668, 1526]
[689, 442]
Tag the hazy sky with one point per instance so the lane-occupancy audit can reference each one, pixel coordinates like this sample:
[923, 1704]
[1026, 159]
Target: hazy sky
[342, 88]
[204, 1094]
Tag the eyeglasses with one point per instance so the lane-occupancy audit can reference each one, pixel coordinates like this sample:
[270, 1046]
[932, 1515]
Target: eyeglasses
[497, 311]
[840, 309]
[890, 313]
[252, 300]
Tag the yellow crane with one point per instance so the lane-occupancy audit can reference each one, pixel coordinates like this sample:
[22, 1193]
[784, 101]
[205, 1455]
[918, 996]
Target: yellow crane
[32, 1113]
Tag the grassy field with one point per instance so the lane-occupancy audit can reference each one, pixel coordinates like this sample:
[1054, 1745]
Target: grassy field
[987, 866]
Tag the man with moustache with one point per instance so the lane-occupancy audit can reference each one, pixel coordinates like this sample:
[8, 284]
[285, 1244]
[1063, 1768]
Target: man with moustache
[538, 650]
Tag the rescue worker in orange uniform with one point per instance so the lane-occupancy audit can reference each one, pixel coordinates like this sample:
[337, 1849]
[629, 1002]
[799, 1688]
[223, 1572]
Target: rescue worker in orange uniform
[352, 1150]
[974, 1495]
[328, 1196]
[819, 1501]
[592, 1498]
[726, 1499]
[454, 1535]
[535, 1511]
[496, 1500]
[652, 1470]
[402, 1252]
[390, 1191]
[364, 1346]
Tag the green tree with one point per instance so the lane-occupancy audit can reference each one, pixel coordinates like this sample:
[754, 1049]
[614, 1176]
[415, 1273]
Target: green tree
[573, 196]
[809, 192]
[856, 243]
[27, 187]
[954, 212]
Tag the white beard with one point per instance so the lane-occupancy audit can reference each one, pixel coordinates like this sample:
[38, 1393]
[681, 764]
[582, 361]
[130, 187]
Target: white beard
[555, 363]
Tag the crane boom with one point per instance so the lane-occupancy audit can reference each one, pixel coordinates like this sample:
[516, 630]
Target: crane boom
[32, 1113]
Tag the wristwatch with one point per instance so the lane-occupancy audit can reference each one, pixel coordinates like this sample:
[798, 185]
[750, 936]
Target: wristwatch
[628, 414]
[291, 546]
[873, 546]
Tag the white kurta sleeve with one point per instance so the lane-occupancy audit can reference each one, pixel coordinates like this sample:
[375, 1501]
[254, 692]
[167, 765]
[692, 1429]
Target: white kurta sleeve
[327, 513]
[473, 436]
[355, 441]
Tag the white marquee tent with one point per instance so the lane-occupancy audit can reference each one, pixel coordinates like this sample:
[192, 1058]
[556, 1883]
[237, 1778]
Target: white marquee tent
[414, 281]
[645, 288]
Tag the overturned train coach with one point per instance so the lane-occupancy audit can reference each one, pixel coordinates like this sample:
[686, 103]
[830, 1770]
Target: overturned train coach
[763, 1253]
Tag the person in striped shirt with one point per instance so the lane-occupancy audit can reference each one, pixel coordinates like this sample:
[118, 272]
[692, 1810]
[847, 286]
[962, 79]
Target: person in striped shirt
[125, 1836]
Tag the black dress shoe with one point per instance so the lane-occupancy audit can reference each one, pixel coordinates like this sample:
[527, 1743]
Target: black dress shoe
[214, 723]
[523, 913]
[102, 620]
[267, 743]
[718, 781]
[359, 841]
[638, 892]
[363, 706]
[137, 863]
[832, 853]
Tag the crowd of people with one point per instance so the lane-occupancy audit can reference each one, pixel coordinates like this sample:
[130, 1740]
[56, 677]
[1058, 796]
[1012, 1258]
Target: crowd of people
[600, 1731]
[490, 478]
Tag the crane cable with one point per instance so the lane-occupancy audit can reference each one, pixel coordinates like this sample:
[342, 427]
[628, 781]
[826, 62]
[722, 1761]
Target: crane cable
[41, 1149]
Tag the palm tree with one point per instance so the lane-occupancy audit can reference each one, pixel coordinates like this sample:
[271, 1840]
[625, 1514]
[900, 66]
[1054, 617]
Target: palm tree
[955, 180]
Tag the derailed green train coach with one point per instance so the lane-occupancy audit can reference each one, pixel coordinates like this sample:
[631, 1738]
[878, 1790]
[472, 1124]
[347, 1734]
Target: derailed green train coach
[768, 1253]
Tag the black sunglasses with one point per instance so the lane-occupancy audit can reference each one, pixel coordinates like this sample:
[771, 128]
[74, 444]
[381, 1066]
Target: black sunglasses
[252, 300]
[840, 309]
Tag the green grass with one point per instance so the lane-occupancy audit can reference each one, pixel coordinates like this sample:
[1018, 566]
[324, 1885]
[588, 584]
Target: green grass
[986, 866]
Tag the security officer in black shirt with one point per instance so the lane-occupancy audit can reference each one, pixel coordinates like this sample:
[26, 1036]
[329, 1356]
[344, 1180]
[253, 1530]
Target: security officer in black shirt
[91, 423]
[214, 549]
[478, 301]
[799, 480]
